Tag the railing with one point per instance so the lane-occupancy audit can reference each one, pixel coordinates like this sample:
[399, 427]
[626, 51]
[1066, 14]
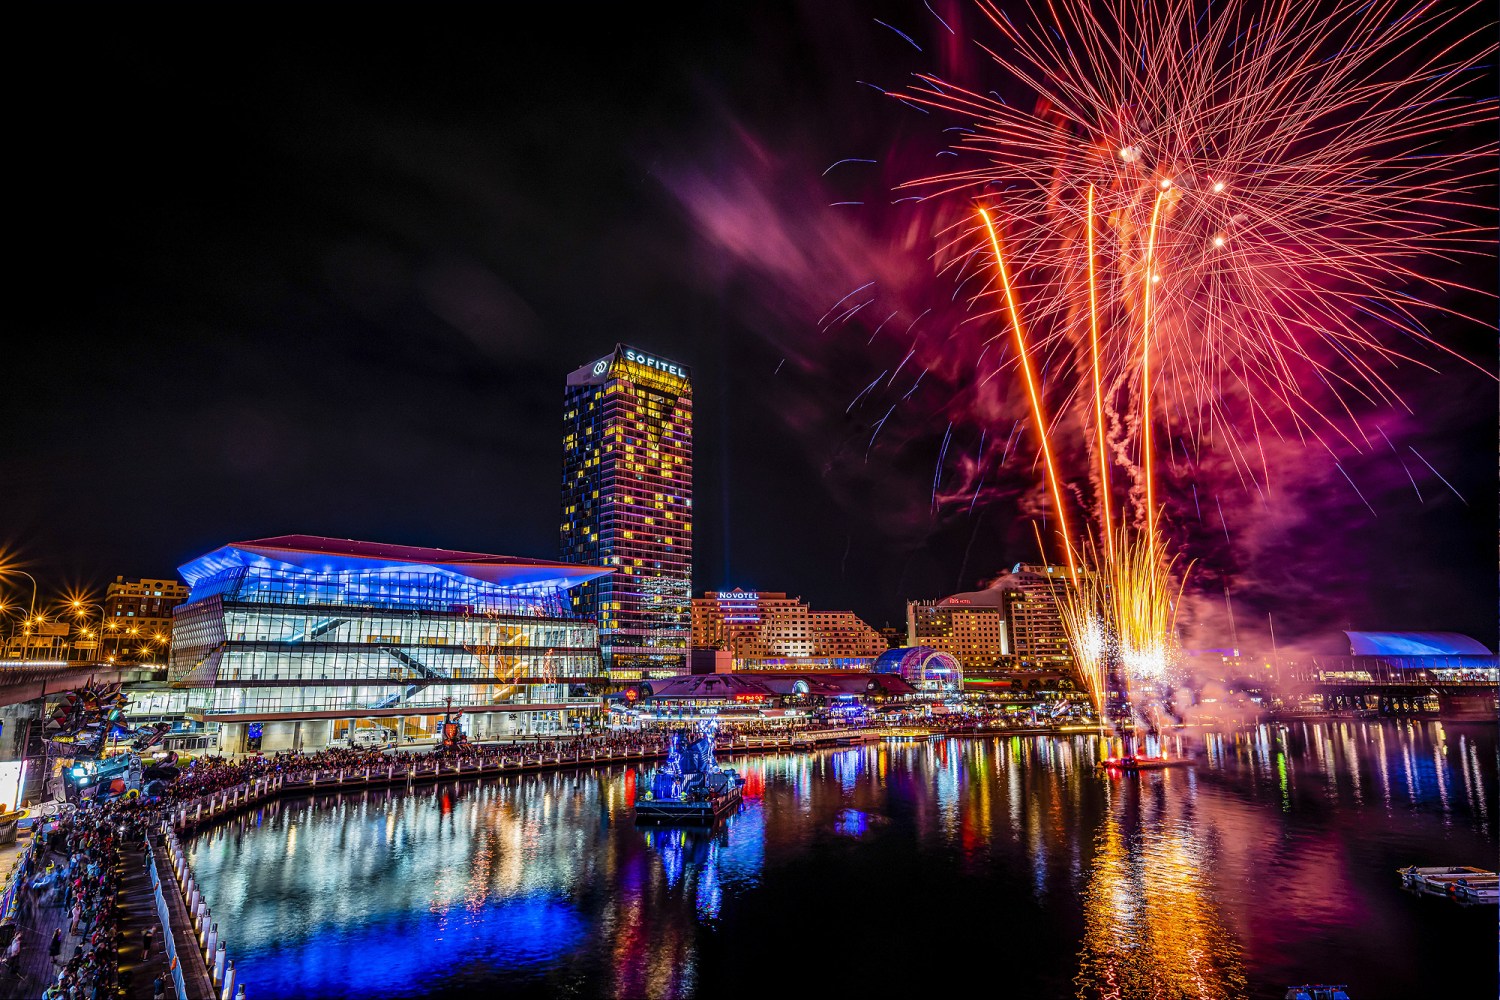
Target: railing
[206, 808]
[212, 948]
[169, 940]
[15, 878]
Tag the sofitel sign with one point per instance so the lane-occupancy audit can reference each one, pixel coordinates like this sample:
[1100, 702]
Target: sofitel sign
[655, 363]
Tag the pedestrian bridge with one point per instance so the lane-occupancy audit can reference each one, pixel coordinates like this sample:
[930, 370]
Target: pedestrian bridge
[27, 681]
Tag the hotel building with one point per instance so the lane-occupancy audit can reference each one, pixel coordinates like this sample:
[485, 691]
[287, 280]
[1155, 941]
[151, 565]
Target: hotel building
[1038, 640]
[968, 627]
[627, 504]
[1011, 627]
[760, 629]
[298, 639]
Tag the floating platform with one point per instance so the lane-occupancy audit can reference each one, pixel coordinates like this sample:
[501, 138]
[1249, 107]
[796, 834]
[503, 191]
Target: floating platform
[1317, 992]
[1143, 763]
[1466, 884]
[704, 811]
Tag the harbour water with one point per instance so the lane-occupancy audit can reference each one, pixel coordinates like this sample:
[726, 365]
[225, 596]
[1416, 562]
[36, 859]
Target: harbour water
[1005, 863]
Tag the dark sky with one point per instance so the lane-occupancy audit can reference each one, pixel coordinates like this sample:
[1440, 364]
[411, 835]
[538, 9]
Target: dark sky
[281, 275]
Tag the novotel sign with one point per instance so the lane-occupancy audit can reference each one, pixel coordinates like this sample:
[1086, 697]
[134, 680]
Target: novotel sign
[737, 595]
[656, 364]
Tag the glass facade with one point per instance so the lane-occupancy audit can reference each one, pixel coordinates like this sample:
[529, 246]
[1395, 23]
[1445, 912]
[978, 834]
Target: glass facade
[302, 625]
[627, 504]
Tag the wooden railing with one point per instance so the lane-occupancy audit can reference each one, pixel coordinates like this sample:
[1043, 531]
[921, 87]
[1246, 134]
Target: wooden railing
[407, 769]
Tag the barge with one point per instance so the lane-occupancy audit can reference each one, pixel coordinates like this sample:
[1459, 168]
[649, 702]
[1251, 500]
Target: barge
[1465, 883]
[1317, 992]
[689, 788]
[1120, 764]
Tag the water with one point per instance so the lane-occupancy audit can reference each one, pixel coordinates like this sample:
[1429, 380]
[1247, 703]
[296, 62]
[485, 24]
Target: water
[1006, 865]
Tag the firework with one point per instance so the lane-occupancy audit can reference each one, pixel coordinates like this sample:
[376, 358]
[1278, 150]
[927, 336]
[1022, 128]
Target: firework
[1204, 210]
[1263, 178]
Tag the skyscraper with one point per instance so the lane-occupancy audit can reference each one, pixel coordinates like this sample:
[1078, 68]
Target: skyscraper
[627, 504]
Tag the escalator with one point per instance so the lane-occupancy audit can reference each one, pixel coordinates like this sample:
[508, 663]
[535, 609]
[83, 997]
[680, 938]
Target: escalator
[322, 628]
[392, 700]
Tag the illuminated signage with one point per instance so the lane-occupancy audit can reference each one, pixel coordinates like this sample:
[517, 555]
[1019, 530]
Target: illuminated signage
[600, 367]
[737, 595]
[12, 778]
[656, 364]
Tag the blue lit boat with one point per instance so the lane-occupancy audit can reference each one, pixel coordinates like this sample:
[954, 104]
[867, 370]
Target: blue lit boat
[690, 788]
[1318, 992]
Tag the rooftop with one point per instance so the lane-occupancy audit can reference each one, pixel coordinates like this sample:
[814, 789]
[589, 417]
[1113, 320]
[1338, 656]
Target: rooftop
[343, 555]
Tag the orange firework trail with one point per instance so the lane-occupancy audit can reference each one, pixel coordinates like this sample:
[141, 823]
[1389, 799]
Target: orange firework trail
[1151, 277]
[1121, 608]
[1104, 499]
[1032, 392]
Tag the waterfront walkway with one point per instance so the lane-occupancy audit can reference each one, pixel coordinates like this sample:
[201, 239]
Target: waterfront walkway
[39, 915]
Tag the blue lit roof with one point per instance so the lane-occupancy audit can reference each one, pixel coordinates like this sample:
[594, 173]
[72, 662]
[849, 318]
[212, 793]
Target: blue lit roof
[343, 555]
[1414, 644]
[909, 660]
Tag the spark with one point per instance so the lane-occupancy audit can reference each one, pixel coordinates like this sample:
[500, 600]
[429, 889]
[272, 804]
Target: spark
[1340, 467]
[899, 32]
[850, 159]
[1435, 472]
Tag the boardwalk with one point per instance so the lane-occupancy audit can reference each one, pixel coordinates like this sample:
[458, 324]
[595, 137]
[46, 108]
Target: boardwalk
[135, 906]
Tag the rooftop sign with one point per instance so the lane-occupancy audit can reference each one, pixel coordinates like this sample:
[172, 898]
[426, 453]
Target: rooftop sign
[655, 363]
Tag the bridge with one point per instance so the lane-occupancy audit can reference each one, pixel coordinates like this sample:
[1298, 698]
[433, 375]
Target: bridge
[1461, 688]
[22, 681]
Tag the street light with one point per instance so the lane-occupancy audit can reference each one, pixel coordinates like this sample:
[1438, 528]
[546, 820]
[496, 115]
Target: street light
[31, 612]
[80, 609]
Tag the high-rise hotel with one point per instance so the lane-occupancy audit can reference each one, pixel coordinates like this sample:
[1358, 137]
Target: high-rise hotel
[627, 504]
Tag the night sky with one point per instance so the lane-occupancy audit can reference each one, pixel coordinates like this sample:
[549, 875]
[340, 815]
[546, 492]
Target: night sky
[281, 276]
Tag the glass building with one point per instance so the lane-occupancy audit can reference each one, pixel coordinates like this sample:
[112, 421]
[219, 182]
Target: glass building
[627, 504]
[299, 640]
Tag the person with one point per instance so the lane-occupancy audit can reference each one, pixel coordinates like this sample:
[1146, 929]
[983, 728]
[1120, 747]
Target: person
[55, 948]
[158, 988]
[146, 942]
[13, 955]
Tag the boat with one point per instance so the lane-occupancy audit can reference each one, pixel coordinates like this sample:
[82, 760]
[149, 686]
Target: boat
[1317, 992]
[689, 788]
[1480, 889]
[1143, 763]
[1438, 880]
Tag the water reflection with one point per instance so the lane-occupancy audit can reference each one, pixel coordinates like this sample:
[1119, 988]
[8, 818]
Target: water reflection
[1270, 862]
[1152, 925]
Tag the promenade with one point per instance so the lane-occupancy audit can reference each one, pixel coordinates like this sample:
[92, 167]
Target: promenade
[132, 912]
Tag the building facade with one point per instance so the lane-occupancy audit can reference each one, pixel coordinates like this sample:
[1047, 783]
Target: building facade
[1011, 632]
[968, 627]
[138, 613]
[1038, 640]
[627, 505]
[298, 639]
[763, 629]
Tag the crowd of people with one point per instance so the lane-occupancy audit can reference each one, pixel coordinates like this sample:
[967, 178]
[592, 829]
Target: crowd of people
[77, 865]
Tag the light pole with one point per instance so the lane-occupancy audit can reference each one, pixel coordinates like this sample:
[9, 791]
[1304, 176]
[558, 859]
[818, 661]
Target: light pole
[79, 609]
[6, 609]
[31, 612]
